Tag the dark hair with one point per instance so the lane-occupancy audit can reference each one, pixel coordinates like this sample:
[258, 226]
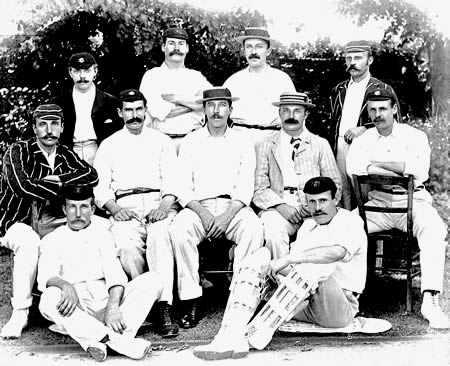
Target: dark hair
[320, 185]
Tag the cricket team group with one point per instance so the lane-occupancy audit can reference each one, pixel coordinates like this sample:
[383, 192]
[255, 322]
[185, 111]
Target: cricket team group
[106, 205]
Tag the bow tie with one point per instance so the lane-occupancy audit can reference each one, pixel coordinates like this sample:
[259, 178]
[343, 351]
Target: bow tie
[295, 142]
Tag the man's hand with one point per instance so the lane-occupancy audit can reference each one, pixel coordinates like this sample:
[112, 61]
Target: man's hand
[353, 133]
[304, 211]
[69, 300]
[220, 226]
[157, 214]
[124, 214]
[113, 319]
[277, 265]
[290, 213]
[53, 178]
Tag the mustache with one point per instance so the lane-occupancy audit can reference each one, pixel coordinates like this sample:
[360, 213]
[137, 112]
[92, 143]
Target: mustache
[352, 67]
[216, 115]
[50, 137]
[254, 55]
[82, 81]
[176, 52]
[291, 120]
[378, 119]
[135, 119]
[318, 213]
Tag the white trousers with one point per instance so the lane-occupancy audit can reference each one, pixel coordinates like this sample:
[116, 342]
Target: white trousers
[187, 232]
[342, 150]
[429, 230]
[277, 231]
[86, 325]
[139, 244]
[86, 150]
[24, 242]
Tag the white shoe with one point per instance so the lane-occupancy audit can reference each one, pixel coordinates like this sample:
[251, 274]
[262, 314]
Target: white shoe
[432, 311]
[221, 348]
[135, 348]
[15, 325]
[97, 351]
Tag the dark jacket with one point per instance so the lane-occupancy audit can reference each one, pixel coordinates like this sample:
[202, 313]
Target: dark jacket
[104, 116]
[24, 166]
[337, 102]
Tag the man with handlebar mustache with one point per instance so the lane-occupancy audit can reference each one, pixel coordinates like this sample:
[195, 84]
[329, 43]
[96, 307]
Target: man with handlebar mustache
[349, 118]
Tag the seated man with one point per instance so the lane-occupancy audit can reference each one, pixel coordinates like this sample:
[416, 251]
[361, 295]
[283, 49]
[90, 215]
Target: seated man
[32, 174]
[285, 162]
[216, 179]
[95, 305]
[392, 148]
[137, 173]
[335, 238]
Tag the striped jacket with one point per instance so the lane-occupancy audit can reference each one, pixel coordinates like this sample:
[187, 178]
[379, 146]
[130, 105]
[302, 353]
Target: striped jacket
[337, 102]
[24, 166]
[314, 158]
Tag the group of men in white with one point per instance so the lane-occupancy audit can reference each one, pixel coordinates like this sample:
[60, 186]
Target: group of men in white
[178, 162]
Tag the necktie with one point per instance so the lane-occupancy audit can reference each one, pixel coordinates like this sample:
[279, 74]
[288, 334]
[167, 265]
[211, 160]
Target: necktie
[295, 142]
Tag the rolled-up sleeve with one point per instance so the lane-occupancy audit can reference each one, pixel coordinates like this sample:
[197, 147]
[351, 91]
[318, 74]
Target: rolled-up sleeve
[151, 86]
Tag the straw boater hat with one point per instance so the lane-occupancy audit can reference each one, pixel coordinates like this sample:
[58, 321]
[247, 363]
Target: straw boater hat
[254, 32]
[294, 98]
[216, 93]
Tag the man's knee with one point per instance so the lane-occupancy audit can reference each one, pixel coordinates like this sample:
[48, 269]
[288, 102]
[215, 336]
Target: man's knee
[49, 299]
[22, 238]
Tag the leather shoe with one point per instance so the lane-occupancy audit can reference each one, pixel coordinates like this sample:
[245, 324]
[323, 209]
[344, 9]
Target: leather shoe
[165, 326]
[189, 319]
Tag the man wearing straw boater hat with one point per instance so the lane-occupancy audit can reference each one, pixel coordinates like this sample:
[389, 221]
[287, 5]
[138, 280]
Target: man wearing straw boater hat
[171, 89]
[257, 86]
[285, 162]
[216, 181]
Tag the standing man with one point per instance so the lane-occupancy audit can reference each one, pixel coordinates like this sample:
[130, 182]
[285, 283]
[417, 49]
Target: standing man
[172, 88]
[216, 181]
[89, 114]
[137, 171]
[398, 149]
[95, 306]
[257, 86]
[349, 118]
[32, 174]
[285, 162]
[330, 254]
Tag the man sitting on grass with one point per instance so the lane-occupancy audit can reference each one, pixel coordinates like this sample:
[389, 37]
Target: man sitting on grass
[85, 289]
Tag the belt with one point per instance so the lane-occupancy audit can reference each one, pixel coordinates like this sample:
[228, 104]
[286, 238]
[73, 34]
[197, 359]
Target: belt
[129, 192]
[257, 127]
[290, 189]
[176, 135]
[398, 193]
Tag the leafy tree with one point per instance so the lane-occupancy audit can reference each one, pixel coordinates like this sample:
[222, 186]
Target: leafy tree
[410, 32]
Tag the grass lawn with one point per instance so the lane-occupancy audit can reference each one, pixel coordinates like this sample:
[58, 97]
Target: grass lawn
[383, 298]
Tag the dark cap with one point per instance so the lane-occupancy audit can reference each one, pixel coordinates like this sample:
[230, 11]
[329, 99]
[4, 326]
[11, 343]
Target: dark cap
[82, 60]
[320, 185]
[77, 192]
[295, 98]
[254, 32]
[381, 92]
[216, 93]
[175, 32]
[358, 46]
[48, 112]
[131, 95]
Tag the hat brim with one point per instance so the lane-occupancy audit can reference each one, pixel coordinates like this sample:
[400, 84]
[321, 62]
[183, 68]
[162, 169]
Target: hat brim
[241, 39]
[307, 105]
[200, 101]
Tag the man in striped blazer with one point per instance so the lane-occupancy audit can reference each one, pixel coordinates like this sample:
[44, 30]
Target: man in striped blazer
[349, 118]
[285, 162]
[33, 173]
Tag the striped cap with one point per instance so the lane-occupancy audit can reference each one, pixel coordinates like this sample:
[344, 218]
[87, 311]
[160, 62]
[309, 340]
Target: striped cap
[357, 46]
[295, 98]
[48, 112]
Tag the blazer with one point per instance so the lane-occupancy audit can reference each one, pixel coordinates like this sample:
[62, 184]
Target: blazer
[104, 116]
[24, 166]
[314, 158]
[337, 98]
